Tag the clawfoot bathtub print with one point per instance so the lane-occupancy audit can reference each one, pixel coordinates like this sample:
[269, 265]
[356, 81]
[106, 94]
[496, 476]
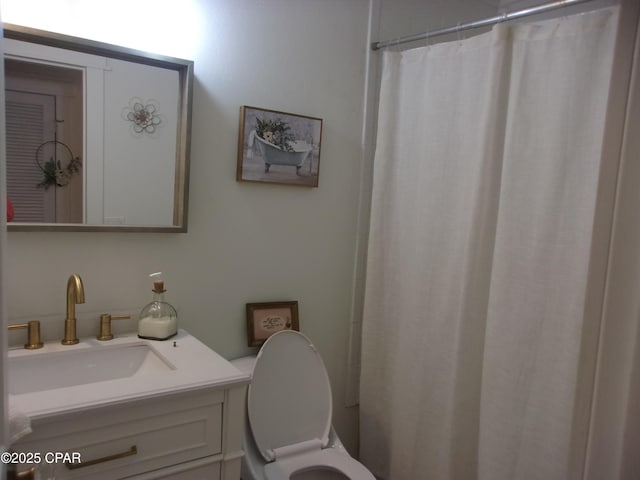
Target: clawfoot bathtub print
[273, 155]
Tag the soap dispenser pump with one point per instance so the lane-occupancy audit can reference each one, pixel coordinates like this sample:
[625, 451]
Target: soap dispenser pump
[158, 319]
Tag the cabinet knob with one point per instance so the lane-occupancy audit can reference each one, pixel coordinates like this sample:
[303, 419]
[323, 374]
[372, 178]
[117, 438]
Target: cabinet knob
[13, 474]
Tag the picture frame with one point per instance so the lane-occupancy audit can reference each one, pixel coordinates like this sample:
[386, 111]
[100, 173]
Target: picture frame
[278, 147]
[266, 318]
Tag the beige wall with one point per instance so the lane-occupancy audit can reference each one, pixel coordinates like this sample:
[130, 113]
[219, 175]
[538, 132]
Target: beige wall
[246, 242]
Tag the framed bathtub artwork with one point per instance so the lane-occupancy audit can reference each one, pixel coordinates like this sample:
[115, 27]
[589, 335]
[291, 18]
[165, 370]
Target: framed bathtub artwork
[265, 319]
[278, 147]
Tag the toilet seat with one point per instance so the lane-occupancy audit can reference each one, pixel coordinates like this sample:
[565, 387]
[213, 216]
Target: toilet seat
[289, 399]
[327, 458]
[289, 410]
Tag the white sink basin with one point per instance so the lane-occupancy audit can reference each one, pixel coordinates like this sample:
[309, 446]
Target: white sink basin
[61, 379]
[79, 367]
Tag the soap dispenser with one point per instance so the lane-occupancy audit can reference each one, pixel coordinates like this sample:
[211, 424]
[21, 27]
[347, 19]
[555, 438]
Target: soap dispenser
[158, 320]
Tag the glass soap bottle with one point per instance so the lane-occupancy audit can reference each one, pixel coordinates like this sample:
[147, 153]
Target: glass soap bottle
[158, 320]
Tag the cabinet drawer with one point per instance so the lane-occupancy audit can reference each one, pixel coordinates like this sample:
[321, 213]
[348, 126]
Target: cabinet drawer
[144, 438]
[202, 469]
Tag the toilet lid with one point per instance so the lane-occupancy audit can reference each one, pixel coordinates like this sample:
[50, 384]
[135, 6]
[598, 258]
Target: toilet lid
[289, 398]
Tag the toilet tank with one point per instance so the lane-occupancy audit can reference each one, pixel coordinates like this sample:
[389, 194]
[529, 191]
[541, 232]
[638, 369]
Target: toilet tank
[245, 364]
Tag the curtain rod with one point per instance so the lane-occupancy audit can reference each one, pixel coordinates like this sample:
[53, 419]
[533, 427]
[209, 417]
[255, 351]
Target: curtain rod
[547, 7]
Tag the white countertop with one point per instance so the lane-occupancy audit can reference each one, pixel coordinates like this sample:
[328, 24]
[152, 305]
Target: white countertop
[195, 366]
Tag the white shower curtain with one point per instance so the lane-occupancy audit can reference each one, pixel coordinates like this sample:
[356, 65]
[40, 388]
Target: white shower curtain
[485, 179]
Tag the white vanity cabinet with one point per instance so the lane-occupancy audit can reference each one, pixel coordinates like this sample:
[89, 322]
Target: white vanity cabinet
[193, 435]
[191, 431]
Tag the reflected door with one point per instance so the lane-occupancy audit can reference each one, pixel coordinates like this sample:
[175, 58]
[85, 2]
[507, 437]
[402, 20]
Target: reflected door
[30, 120]
[43, 110]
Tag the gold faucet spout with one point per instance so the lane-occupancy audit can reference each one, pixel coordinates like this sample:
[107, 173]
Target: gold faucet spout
[75, 295]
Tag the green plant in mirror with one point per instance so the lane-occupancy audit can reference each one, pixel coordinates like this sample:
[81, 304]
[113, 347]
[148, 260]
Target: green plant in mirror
[55, 174]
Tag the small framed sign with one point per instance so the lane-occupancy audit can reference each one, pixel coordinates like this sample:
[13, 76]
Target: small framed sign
[265, 319]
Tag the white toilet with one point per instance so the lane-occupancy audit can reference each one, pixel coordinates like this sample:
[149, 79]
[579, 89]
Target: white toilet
[288, 432]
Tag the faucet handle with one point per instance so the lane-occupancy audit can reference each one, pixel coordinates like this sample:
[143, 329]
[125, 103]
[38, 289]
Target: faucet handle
[105, 325]
[33, 333]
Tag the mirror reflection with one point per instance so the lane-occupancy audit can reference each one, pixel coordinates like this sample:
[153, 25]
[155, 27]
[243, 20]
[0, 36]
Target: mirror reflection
[97, 135]
[43, 105]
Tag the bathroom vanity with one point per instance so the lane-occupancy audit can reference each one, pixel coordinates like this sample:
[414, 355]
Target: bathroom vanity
[129, 408]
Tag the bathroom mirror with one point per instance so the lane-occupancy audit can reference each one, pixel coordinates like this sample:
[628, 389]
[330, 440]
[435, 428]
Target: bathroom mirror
[97, 135]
